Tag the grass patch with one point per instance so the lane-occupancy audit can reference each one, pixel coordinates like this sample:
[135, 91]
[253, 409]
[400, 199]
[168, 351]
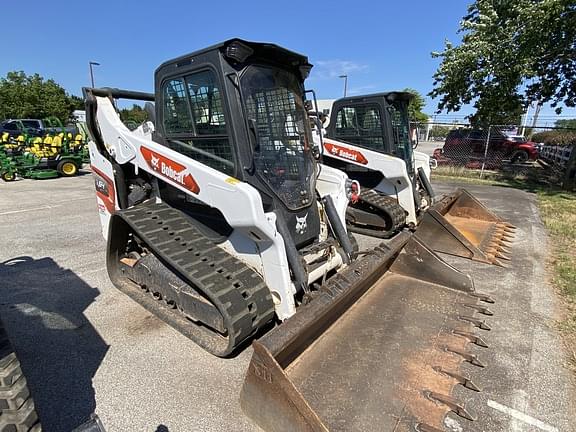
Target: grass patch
[469, 180]
[558, 212]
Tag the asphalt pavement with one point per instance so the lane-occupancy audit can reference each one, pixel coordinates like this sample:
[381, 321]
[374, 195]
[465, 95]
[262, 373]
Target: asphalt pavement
[86, 347]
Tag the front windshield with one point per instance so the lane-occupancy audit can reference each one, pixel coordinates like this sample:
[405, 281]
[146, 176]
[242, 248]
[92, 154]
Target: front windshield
[401, 132]
[276, 115]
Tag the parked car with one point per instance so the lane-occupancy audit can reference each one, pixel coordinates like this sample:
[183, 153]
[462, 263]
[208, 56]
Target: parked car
[31, 127]
[19, 127]
[465, 146]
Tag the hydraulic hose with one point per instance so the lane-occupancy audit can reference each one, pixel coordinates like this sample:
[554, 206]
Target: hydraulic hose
[338, 227]
[293, 256]
[426, 184]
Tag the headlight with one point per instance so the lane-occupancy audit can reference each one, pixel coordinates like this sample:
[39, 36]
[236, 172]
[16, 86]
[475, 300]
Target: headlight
[433, 163]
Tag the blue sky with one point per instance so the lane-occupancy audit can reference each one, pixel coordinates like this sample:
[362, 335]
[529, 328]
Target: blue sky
[380, 45]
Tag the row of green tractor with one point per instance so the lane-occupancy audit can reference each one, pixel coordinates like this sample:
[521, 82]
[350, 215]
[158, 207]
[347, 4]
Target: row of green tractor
[57, 154]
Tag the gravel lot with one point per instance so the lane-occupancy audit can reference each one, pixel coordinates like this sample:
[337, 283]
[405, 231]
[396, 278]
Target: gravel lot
[86, 347]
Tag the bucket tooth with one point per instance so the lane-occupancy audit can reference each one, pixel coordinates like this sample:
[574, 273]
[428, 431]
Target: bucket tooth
[502, 256]
[480, 309]
[483, 297]
[498, 263]
[493, 246]
[475, 322]
[491, 252]
[454, 405]
[475, 339]
[495, 241]
[423, 427]
[462, 380]
[470, 358]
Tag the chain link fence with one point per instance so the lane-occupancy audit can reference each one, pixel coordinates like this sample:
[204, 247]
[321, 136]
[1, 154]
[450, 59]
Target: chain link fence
[512, 150]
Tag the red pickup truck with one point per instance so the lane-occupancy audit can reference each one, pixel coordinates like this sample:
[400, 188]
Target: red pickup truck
[468, 147]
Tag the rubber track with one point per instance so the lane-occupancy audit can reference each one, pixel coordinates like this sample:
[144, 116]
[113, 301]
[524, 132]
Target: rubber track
[384, 204]
[17, 411]
[237, 291]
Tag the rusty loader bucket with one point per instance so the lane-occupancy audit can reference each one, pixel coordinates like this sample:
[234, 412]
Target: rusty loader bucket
[379, 348]
[461, 225]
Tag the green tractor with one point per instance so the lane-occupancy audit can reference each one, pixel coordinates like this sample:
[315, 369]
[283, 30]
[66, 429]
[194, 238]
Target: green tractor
[41, 158]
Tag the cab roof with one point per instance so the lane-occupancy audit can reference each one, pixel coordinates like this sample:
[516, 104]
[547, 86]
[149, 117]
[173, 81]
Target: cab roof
[265, 50]
[390, 96]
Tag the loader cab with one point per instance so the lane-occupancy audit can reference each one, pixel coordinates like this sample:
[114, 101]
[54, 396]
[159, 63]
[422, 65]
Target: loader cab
[378, 122]
[238, 107]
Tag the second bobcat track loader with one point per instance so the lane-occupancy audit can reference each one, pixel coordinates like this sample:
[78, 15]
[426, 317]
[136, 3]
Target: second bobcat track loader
[368, 137]
[220, 221]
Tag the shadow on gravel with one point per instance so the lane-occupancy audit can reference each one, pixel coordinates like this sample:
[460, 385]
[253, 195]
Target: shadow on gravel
[42, 306]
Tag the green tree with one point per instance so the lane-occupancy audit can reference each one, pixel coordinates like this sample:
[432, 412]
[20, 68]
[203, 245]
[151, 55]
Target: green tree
[566, 123]
[31, 96]
[513, 52]
[76, 103]
[556, 137]
[439, 132]
[135, 114]
[415, 107]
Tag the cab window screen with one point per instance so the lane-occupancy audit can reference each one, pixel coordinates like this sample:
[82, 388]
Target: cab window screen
[206, 104]
[194, 120]
[361, 125]
[401, 134]
[176, 113]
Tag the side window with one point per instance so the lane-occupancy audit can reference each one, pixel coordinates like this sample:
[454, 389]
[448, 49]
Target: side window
[11, 126]
[361, 125]
[31, 124]
[346, 121]
[206, 104]
[193, 110]
[176, 114]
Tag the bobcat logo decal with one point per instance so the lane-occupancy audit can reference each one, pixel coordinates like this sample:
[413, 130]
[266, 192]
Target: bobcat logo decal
[154, 161]
[172, 170]
[301, 224]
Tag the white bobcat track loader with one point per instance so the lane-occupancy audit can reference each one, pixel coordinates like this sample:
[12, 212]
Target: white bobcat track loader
[220, 221]
[368, 137]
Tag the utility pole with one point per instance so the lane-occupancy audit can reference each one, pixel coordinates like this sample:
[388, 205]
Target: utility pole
[345, 83]
[535, 119]
[92, 72]
[525, 120]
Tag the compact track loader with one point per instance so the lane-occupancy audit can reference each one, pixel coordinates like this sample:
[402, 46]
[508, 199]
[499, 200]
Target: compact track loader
[369, 137]
[220, 220]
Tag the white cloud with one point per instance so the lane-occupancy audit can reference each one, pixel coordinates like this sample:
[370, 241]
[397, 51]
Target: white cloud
[329, 69]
